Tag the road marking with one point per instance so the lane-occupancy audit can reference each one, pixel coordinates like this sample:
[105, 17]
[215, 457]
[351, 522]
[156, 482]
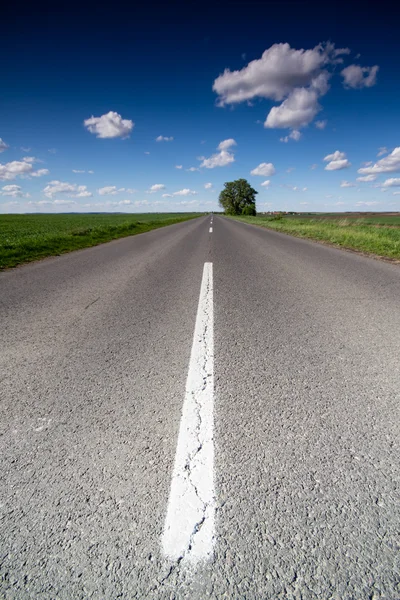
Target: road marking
[210, 230]
[189, 525]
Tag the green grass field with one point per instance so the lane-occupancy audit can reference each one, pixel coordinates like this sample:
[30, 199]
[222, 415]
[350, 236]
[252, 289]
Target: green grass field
[376, 234]
[24, 238]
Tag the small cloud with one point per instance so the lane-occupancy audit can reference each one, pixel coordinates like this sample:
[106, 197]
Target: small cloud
[357, 77]
[162, 138]
[392, 182]
[388, 164]
[192, 169]
[14, 191]
[91, 172]
[294, 135]
[304, 189]
[266, 183]
[25, 149]
[109, 190]
[178, 166]
[374, 203]
[110, 125]
[314, 166]
[52, 150]
[336, 161]
[382, 150]
[3, 146]
[320, 124]
[157, 187]
[222, 158]
[367, 178]
[290, 169]
[40, 173]
[208, 186]
[347, 184]
[77, 171]
[60, 187]
[147, 152]
[264, 169]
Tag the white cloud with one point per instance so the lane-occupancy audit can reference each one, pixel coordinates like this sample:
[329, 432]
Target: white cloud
[222, 158]
[40, 173]
[14, 169]
[64, 202]
[393, 181]
[14, 191]
[52, 150]
[60, 187]
[294, 135]
[157, 187]
[178, 166]
[162, 138]
[347, 184]
[396, 193]
[147, 152]
[184, 192]
[320, 124]
[266, 183]
[208, 186]
[110, 125]
[25, 149]
[30, 159]
[314, 166]
[108, 190]
[130, 191]
[264, 169]
[91, 172]
[389, 164]
[304, 189]
[367, 178]
[192, 169]
[77, 171]
[336, 161]
[3, 145]
[374, 203]
[359, 77]
[226, 144]
[382, 150]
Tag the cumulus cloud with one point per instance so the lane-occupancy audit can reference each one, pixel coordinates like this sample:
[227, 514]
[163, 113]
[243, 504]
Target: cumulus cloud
[222, 158]
[266, 183]
[389, 164]
[336, 161]
[77, 171]
[157, 187]
[162, 138]
[357, 77]
[294, 135]
[320, 124]
[14, 191]
[192, 169]
[347, 184]
[108, 190]
[264, 169]
[296, 77]
[14, 169]
[3, 145]
[184, 192]
[40, 173]
[226, 144]
[392, 182]
[208, 186]
[60, 187]
[367, 178]
[110, 125]
[178, 166]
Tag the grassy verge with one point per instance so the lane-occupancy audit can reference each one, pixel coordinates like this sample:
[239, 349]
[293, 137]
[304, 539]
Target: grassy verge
[24, 238]
[355, 234]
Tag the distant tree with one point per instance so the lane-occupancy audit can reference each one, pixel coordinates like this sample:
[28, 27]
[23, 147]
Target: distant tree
[238, 198]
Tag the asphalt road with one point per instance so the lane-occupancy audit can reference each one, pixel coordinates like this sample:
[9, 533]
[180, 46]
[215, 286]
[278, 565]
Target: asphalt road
[94, 355]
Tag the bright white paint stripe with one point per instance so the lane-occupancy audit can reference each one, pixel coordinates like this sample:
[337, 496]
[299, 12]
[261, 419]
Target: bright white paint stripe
[189, 524]
[210, 230]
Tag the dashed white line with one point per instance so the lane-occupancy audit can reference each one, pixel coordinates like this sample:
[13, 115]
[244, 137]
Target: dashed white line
[210, 231]
[189, 525]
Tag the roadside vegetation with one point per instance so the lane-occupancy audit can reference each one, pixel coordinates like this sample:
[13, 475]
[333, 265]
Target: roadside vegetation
[378, 235]
[24, 238]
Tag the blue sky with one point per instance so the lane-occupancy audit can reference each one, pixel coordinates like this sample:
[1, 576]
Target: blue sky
[309, 92]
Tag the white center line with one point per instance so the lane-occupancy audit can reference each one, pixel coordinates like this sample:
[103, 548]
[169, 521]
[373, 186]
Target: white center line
[210, 230]
[189, 525]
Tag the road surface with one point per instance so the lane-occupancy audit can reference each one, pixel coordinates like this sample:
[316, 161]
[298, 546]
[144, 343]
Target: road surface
[255, 371]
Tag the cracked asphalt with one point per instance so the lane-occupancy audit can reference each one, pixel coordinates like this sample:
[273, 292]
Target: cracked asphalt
[94, 354]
